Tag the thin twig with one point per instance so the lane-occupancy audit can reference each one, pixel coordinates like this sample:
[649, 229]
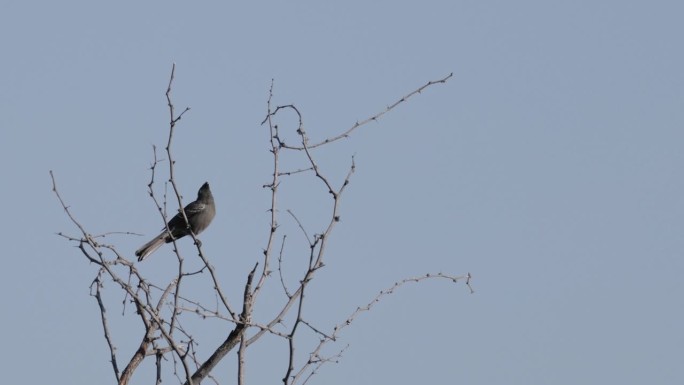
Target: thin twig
[361, 309]
[97, 283]
[373, 118]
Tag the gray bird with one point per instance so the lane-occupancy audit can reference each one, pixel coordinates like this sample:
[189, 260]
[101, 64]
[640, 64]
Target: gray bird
[200, 213]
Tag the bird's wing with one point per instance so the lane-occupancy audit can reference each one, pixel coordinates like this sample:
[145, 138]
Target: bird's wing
[194, 208]
[177, 223]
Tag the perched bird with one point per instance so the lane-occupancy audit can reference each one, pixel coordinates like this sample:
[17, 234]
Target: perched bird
[200, 213]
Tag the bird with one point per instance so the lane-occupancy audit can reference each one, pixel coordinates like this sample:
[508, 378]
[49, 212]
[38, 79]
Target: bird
[200, 213]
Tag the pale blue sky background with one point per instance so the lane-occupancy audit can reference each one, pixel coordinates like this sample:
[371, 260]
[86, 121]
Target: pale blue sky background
[549, 166]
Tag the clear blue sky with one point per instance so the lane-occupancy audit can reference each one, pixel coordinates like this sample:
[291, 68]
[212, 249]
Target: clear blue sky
[550, 167]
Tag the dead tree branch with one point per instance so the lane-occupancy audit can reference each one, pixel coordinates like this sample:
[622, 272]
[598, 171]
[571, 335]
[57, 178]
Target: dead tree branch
[163, 309]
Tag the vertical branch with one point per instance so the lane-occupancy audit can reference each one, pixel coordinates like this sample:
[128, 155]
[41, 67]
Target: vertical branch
[275, 182]
[291, 339]
[176, 297]
[242, 351]
[335, 194]
[172, 125]
[173, 119]
[112, 349]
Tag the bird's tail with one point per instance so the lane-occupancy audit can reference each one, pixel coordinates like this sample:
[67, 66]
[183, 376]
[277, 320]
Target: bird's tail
[151, 246]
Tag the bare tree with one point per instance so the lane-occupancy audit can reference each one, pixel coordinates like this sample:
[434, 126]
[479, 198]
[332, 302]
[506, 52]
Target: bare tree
[165, 310]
